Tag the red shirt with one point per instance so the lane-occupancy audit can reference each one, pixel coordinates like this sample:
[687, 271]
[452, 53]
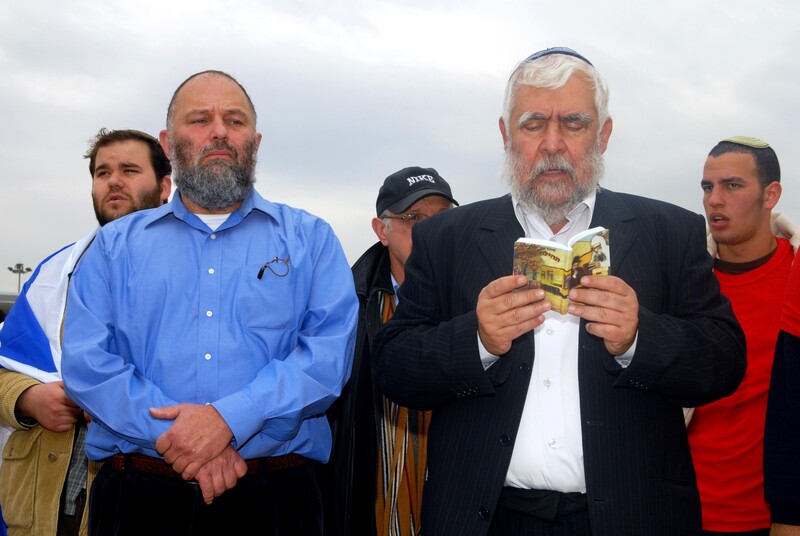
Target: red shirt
[727, 436]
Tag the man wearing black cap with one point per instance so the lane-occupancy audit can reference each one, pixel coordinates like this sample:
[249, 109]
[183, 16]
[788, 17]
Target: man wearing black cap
[559, 424]
[377, 468]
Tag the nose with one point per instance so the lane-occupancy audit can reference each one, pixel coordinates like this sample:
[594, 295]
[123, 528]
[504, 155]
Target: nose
[714, 197]
[553, 138]
[115, 179]
[219, 129]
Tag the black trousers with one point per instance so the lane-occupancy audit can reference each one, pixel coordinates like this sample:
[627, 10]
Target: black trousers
[541, 513]
[510, 523]
[277, 503]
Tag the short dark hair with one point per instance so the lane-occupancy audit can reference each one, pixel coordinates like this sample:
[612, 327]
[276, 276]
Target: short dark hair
[171, 107]
[767, 166]
[104, 137]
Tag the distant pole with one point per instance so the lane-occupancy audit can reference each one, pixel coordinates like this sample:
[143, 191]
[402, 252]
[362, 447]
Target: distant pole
[19, 269]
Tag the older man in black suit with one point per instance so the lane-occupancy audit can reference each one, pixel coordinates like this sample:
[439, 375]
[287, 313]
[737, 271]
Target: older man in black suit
[559, 424]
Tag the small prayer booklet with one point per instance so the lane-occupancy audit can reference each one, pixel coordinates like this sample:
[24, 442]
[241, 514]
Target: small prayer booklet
[557, 268]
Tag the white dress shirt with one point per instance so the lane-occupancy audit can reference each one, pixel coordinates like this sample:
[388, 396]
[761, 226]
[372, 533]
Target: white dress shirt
[548, 452]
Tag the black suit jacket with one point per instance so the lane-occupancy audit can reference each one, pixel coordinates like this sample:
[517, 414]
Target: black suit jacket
[690, 351]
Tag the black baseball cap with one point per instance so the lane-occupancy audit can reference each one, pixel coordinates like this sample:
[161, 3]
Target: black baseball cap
[403, 188]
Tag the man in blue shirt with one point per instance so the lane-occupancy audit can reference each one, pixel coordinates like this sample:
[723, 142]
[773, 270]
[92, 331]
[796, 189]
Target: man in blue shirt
[206, 339]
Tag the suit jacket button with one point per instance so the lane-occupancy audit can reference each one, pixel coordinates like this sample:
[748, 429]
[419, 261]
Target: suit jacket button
[483, 513]
[505, 440]
[524, 368]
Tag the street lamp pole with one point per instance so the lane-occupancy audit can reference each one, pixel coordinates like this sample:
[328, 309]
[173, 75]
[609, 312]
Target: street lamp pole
[19, 269]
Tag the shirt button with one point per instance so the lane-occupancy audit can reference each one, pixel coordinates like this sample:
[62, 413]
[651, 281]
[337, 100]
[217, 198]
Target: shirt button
[213, 236]
[550, 331]
[546, 383]
[209, 314]
[552, 443]
[52, 457]
[207, 357]
[211, 271]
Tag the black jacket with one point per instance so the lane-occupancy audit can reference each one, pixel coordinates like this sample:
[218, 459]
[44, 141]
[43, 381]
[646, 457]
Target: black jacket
[348, 480]
[781, 433]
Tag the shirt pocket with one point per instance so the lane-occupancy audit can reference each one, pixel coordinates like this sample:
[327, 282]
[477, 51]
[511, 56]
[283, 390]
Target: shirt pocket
[18, 477]
[267, 302]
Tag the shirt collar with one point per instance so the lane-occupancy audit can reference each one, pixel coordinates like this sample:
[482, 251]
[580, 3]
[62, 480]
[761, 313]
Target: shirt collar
[578, 219]
[254, 201]
[395, 286]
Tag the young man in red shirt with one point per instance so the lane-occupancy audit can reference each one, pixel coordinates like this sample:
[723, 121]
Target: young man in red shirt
[741, 186]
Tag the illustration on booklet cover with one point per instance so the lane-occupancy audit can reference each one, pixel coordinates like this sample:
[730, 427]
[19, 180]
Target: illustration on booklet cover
[558, 268]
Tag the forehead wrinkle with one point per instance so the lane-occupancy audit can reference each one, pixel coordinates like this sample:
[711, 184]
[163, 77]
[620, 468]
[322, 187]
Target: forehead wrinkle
[196, 99]
[222, 109]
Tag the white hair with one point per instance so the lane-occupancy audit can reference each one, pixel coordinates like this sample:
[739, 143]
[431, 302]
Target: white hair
[552, 72]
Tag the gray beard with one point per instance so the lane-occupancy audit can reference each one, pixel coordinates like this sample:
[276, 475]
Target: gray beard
[218, 185]
[535, 196]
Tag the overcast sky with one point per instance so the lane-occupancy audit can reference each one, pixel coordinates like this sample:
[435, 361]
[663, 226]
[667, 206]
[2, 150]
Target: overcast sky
[350, 91]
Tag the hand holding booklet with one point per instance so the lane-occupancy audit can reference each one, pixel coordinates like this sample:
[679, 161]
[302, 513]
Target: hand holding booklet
[557, 268]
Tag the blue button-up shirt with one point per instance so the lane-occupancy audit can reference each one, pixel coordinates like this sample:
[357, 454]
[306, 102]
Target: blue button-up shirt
[162, 310]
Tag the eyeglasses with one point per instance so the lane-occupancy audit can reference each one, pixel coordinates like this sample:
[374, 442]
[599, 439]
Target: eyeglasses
[281, 269]
[411, 218]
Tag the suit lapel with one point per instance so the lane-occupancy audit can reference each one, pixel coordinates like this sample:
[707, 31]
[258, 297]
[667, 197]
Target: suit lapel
[497, 232]
[612, 212]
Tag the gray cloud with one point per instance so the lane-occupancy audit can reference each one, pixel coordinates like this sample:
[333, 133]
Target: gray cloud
[349, 91]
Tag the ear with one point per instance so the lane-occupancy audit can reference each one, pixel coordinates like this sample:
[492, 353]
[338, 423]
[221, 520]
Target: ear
[502, 124]
[258, 140]
[163, 137]
[772, 194]
[380, 231]
[605, 133]
[166, 188]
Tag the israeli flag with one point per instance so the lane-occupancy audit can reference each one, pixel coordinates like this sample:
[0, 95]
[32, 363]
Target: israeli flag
[30, 337]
